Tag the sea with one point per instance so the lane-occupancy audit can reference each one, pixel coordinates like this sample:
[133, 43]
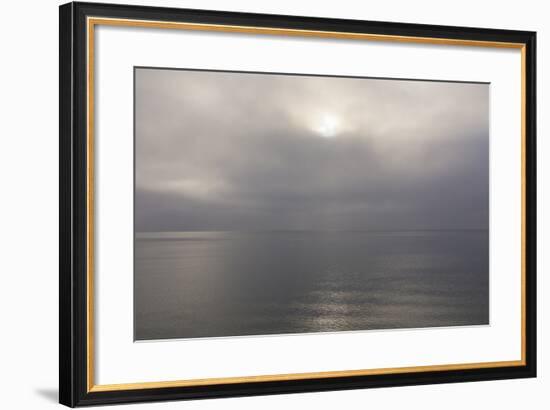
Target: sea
[221, 284]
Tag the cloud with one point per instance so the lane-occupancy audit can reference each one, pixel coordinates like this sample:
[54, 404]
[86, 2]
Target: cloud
[241, 151]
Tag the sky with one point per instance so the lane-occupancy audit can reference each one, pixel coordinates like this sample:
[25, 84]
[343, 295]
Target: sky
[246, 151]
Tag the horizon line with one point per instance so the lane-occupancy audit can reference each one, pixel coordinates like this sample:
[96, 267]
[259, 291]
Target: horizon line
[318, 230]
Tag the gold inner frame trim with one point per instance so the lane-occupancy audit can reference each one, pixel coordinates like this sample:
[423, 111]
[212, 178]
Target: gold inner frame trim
[300, 376]
[94, 21]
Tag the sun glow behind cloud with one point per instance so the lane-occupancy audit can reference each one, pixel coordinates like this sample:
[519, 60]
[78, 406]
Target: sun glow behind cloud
[327, 126]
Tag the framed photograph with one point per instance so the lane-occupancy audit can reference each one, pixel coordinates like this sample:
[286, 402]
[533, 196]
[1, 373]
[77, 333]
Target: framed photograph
[257, 204]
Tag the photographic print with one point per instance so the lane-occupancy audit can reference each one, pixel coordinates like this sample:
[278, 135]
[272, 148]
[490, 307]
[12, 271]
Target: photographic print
[242, 216]
[271, 203]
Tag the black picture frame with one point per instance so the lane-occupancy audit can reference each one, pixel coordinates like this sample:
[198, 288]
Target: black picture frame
[74, 386]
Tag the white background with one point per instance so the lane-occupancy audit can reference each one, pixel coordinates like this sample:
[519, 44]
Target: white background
[28, 217]
[119, 360]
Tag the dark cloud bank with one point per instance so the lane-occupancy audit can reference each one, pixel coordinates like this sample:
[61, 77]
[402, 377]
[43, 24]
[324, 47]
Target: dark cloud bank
[237, 151]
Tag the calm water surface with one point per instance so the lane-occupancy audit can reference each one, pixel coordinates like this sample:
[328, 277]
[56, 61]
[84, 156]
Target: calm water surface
[205, 284]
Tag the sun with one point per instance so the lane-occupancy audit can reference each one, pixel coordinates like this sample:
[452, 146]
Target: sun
[328, 126]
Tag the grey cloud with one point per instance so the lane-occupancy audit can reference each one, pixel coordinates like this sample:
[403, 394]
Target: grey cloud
[235, 151]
